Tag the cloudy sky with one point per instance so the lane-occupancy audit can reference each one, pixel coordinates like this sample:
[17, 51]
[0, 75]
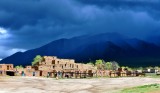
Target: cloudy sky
[27, 24]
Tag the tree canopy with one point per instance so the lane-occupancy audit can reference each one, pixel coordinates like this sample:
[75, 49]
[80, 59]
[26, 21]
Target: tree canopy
[108, 65]
[99, 64]
[37, 59]
[102, 65]
[20, 66]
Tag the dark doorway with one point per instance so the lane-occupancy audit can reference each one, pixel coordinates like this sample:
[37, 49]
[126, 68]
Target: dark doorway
[34, 73]
[1, 72]
[10, 73]
[7, 67]
[40, 73]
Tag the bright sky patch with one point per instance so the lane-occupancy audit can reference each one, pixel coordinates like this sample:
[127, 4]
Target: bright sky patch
[3, 33]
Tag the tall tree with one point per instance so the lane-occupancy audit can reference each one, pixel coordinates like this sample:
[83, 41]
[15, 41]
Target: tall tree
[108, 65]
[99, 64]
[37, 59]
[115, 65]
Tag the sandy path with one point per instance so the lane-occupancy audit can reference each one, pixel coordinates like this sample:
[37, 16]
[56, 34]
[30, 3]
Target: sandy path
[49, 85]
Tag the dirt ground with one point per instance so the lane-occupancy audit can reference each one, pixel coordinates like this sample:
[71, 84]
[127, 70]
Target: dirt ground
[50, 85]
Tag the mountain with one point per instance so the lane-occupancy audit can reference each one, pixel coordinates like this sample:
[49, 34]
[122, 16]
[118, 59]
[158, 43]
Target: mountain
[154, 39]
[107, 46]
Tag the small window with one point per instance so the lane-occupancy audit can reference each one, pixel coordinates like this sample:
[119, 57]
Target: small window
[7, 67]
[53, 62]
[65, 65]
[58, 62]
[0, 66]
[62, 67]
[77, 66]
[53, 66]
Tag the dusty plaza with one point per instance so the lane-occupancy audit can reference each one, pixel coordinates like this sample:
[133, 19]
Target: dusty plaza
[50, 85]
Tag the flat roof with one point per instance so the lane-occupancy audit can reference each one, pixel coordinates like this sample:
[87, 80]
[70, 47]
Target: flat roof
[6, 64]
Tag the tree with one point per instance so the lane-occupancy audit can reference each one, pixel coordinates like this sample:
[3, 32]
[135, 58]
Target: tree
[37, 59]
[108, 65]
[123, 67]
[20, 66]
[103, 65]
[115, 65]
[99, 64]
[128, 68]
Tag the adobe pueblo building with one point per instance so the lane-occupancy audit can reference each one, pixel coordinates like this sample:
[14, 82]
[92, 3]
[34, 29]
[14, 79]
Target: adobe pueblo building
[51, 66]
[6, 69]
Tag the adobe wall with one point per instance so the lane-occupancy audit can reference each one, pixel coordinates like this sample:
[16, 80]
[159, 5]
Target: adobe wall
[6, 67]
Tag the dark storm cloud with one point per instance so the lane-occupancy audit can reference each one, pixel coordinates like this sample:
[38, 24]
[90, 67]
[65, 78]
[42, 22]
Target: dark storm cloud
[150, 6]
[31, 12]
[123, 3]
[32, 23]
[38, 18]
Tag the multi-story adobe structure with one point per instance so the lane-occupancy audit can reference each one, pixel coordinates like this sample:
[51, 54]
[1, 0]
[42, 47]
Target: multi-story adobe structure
[7, 69]
[52, 66]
